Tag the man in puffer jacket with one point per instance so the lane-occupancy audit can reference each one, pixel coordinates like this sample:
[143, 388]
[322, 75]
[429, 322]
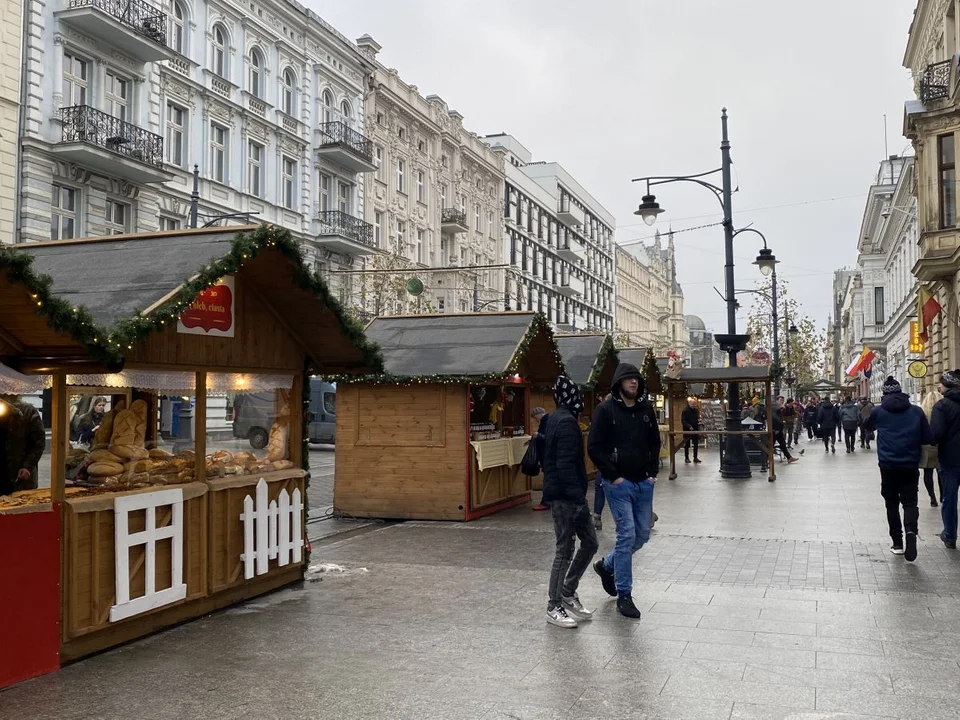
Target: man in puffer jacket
[902, 429]
[828, 420]
[565, 491]
[945, 420]
[850, 422]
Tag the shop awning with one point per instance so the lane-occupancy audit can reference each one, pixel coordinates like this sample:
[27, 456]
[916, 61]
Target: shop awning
[14, 383]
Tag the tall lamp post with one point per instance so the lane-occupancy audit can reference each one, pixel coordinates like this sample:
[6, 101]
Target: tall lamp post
[735, 463]
[789, 328]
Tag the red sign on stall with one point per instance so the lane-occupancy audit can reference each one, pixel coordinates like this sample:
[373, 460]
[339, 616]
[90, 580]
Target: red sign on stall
[212, 313]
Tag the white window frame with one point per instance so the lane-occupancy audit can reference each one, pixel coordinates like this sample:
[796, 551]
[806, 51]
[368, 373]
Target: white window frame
[177, 30]
[327, 102]
[175, 141]
[421, 237]
[381, 164]
[346, 112]
[421, 187]
[63, 214]
[288, 91]
[401, 236]
[378, 228]
[323, 196]
[258, 68]
[256, 154]
[117, 104]
[109, 220]
[478, 218]
[74, 84]
[400, 175]
[220, 59]
[219, 157]
[288, 166]
[344, 197]
[169, 224]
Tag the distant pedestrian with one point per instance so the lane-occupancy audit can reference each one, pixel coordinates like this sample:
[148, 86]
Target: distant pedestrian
[778, 429]
[690, 420]
[810, 419]
[866, 410]
[850, 422]
[946, 432]
[789, 415]
[902, 430]
[541, 417]
[565, 489]
[929, 457]
[624, 444]
[828, 420]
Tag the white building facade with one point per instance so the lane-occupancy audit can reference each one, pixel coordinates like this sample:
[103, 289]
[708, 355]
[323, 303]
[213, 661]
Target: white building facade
[11, 59]
[558, 243]
[266, 98]
[888, 251]
[434, 202]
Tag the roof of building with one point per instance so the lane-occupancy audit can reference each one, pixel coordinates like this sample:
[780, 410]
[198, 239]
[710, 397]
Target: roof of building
[584, 357]
[749, 373]
[693, 322]
[475, 345]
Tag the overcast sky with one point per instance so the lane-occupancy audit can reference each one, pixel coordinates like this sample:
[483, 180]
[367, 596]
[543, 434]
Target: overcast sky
[616, 89]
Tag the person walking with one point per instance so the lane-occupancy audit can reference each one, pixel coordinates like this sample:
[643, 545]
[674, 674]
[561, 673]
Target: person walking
[789, 415]
[22, 442]
[810, 418]
[929, 456]
[945, 420]
[828, 419]
[624, 444]
[866, 410]
[690, 420]
[902, 430]
[850, 421]
[565, 489]
[778, 430]
[541, 417]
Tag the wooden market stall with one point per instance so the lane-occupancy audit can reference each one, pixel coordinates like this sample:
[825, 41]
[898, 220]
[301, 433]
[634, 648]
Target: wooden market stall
[440, 436]
[160, 528]
[760, 444]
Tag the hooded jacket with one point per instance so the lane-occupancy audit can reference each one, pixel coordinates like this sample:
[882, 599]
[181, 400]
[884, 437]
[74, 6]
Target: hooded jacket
[902, 429]
[810, 415]
[827, 416]
[690, 418]
[564, 469]
[849, 415]
[624, 440]
[866, 410]
[24, 443]
[945, 422]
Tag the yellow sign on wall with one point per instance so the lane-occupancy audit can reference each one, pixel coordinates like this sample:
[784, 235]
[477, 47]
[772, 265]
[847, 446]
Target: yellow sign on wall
[916, 345]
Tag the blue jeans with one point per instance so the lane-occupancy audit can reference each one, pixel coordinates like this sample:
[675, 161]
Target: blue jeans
[948, 507]
[631, 504]
[598, 497]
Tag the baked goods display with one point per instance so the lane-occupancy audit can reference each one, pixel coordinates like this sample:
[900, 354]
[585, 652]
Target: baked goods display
[30, 498]
[223, 464]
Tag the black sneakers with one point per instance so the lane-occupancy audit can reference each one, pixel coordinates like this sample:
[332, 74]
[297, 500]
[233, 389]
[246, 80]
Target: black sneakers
[950, 544]
[910, 552]
[606, 578]
[626, 607]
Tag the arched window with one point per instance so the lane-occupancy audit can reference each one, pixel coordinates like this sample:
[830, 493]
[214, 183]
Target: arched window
[345, 113]
[328, 106]
[220, 51]
[288, 92]
[256, 72]
[178, 22]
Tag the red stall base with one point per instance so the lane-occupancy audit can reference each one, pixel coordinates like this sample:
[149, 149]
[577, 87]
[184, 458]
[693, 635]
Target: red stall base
[29, 595]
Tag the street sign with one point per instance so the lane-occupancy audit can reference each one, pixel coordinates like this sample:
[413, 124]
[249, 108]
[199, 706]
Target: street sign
[916, 344]
[760, 357]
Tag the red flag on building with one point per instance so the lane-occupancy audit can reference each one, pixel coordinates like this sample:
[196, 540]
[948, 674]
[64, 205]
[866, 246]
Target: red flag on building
[927, 309]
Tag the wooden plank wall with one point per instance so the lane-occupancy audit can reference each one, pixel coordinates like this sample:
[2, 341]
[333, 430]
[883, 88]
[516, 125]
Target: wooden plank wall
[401, 451]
[495, 485]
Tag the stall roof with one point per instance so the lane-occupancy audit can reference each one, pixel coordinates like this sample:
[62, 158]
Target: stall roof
[476, 345]
[634, 356]
[123, 283]
[585, 355]
[750, 373]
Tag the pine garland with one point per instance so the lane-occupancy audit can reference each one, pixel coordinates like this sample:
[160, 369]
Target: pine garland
[651, 374]
[109, 345]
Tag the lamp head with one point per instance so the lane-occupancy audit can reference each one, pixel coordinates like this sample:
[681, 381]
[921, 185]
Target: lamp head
[766, 261]
[794, 330]
[649, 209]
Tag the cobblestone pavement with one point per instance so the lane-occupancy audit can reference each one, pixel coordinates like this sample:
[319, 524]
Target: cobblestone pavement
[759, 600]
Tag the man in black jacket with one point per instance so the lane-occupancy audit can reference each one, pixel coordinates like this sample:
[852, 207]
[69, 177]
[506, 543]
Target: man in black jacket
[779, 429]
[565, 491]
[624, 444]
[945, 423]
[828, 420]
[690, 419]
[810, 418]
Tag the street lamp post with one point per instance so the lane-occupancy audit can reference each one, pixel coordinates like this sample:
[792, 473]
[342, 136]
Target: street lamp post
[735, 463]
[210, 219]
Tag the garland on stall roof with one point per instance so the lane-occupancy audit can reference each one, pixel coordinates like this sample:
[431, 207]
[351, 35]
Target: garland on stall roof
[600, 362]
[61, 315]
[651, 374]
[539, 323]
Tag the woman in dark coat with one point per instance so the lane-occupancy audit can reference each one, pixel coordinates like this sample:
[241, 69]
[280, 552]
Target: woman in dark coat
[828, 419]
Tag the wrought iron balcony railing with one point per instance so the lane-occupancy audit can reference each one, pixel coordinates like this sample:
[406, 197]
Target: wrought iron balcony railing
[935, 81]
[334, 222]
[454, 216]
[139, 16]
[82, 123]
[338, 133]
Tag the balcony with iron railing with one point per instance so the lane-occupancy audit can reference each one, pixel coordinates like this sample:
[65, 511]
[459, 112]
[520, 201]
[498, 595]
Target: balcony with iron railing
[346, 147]
[134, 27]
[935, 81]
[453, 221]
[344, 233]
[93, 139]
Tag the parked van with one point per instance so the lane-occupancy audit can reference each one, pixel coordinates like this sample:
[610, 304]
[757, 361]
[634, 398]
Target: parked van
[254, 415]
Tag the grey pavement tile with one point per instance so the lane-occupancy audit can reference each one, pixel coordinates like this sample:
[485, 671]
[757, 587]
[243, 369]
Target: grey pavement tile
[820, 678]
[824, 644]
[700, 634]
[890, 665]
[853, 632]
[816, 617]
[705, 610]
[944, 685]
[740, 653]
[795, 696]
[758, 625]
[749, 711]
[633, 665]
[512, 711]
[604, 704]
[672, 619]
[886, 705]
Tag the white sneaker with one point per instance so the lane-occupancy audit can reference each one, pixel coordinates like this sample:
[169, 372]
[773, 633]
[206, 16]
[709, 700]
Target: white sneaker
[558, 616]
[896, 549]
[573, 607]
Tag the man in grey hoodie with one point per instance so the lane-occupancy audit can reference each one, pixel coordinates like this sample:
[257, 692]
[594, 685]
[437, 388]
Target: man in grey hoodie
[850, 422]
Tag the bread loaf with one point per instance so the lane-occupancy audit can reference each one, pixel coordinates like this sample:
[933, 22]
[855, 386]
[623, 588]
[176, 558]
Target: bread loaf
[221, 456]
[282, 464]
[138, 466]
[129, 452]
[158, 454]
[102, 437]
[104, 469]
[279, 438]
[105, 456]
[139, 410]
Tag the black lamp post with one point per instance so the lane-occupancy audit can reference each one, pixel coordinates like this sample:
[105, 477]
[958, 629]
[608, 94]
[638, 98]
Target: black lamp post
[211, 219]
[735, 463]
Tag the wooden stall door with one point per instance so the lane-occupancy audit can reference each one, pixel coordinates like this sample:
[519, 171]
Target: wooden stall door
[495, 485]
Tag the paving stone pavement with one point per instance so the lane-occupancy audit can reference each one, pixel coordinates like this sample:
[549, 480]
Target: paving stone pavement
[760, 600]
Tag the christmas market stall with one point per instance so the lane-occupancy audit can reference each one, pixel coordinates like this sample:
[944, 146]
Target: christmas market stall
[161, 524]
[711, 384]
[441, 434]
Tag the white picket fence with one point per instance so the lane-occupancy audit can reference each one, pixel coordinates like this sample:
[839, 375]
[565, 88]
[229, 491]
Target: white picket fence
[271, 531]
